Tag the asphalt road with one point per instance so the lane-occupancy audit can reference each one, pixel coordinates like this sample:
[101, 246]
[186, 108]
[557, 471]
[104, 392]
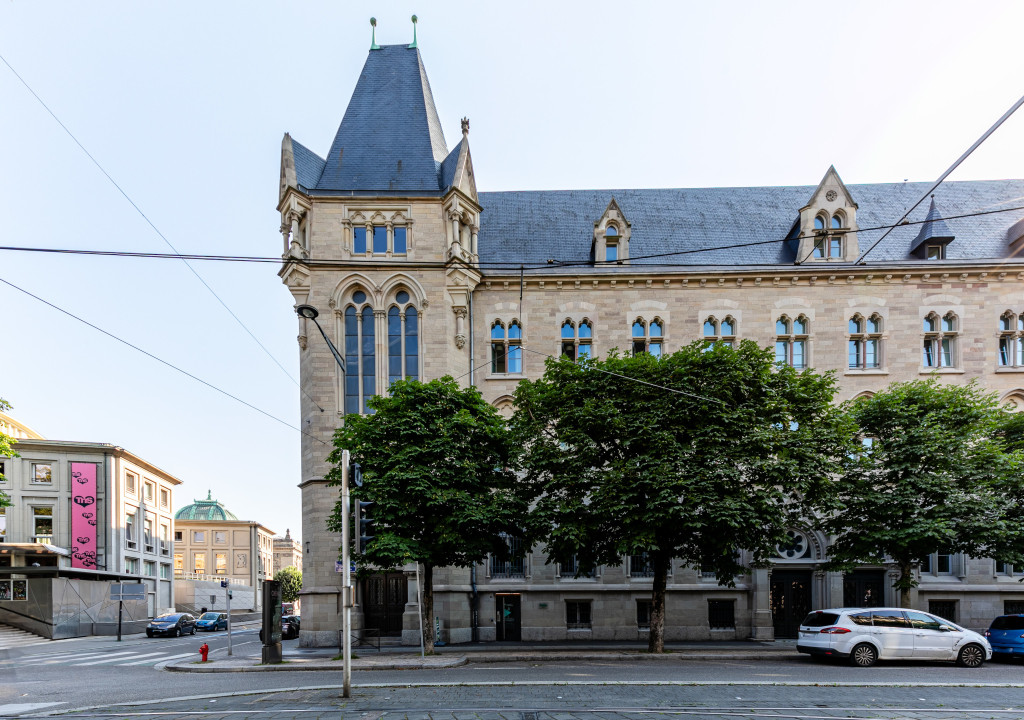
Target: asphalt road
[90, 672]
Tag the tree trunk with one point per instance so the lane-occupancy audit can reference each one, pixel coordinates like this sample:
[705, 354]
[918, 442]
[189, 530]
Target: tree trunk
[905, 582]
[427, 607]
[656, 637]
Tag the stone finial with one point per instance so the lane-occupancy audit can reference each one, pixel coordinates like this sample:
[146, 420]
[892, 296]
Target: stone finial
[465, 126]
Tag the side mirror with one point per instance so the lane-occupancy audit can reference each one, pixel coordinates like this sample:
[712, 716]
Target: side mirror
[946, 628]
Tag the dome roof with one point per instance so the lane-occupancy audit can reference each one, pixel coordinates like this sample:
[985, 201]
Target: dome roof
[208, 509]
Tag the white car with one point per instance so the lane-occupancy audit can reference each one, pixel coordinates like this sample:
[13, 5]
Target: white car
[865, 635]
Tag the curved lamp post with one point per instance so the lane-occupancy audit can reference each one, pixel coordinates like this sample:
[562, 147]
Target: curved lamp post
[310, 313]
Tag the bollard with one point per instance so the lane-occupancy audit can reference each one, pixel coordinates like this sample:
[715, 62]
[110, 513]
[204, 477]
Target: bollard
[204, 650]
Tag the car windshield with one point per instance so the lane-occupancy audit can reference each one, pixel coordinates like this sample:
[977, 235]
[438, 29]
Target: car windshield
[208, 616]
[167, 618]
[1008, 622]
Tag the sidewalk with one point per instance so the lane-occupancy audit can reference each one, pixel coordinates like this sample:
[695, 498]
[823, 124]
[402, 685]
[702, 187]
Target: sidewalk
[407, 658]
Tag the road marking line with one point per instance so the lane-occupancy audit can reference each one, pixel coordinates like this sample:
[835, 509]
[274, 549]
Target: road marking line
[151, 657]
[175, 657]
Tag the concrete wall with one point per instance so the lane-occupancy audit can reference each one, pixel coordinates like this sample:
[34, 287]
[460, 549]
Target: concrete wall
[59, 608]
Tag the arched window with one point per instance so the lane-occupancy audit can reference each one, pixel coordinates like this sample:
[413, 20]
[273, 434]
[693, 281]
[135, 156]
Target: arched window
[611, 243]
[648, 337]
[828, 245]
[791, 341]
[940, 336]
[506, 348]
[403, 340]
[865, 349]
[360, 355]
[1011, 340]
[716, 331]
[576, 341]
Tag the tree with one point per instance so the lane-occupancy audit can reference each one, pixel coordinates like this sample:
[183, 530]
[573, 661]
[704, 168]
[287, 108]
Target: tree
[932, 475]
[436, 464]
[695, 456]
[291, 583]
[6, 450]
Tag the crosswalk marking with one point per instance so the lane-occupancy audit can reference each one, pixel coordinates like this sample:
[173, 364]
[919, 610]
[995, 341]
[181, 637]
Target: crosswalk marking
[166, 659]
[107, 657]
[120, 660]
[62, 657]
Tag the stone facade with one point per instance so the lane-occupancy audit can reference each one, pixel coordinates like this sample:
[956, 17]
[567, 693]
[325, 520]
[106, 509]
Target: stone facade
[866, 320]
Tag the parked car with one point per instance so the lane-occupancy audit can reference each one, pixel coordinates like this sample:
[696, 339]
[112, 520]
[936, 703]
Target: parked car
[212, 621]
[1006, 633]
[289, 627]
[865, 636]
[173, 624]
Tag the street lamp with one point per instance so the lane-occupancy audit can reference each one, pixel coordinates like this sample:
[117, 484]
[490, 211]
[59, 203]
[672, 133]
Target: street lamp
[310, 313]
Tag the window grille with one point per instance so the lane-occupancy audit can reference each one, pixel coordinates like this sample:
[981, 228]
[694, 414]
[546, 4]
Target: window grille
[515, 565]
[640, 566]
[945, 609]
[643, 614]
[721, 614]
[577, 614]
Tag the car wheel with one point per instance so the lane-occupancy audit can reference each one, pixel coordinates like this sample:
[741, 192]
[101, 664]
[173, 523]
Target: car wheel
[864, 655]
[149, 633]
[193, 629]
[174, 632]
[971, 656]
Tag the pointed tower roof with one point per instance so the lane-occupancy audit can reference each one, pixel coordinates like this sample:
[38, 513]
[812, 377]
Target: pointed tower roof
[457, 168]
[390, 139]
[933, 230]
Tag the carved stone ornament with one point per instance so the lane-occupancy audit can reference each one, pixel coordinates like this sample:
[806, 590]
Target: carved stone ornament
[831, 195]
[460, 341]
[332, 304]
[302, 342]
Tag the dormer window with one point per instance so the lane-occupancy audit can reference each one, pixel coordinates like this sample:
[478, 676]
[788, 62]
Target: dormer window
[828, 246]
[837, 222]
[935, 252]
[611, 244]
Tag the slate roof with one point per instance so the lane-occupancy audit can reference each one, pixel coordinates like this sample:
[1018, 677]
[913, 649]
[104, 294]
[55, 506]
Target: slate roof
[308, 166]
[449, 166]
[532, 227]
[390, 139]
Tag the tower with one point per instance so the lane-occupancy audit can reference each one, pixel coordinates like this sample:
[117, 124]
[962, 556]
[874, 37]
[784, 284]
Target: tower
[388, 194]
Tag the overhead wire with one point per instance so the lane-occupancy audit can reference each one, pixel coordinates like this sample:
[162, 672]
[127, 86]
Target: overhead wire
[158, 359]
[489, 265]
[155, 228]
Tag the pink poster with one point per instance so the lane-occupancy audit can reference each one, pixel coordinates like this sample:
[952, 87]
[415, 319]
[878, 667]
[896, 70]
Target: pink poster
[83, 515]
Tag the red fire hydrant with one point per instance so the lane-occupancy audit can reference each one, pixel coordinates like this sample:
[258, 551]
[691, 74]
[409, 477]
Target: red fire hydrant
[204, 650]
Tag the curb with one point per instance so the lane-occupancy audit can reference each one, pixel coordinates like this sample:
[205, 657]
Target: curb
[440, 662]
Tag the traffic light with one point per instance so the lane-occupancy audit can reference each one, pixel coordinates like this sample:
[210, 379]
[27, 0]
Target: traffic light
[364, 525]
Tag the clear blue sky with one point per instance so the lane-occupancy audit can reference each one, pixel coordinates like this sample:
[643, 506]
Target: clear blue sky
[185, 103]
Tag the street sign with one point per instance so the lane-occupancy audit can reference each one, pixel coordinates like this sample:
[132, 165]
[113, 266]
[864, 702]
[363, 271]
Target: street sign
[339, 566]
[128, 591]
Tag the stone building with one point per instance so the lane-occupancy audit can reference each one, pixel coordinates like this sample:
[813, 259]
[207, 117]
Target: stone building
[210, 545]
[416, 274]
[82, 515]
[287, 553]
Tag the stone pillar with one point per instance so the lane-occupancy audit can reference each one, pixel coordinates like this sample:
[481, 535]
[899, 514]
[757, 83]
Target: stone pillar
[286, 232]
[761, 626]
[411, 614]
[380, 348]
[475, 230]
[834, 583]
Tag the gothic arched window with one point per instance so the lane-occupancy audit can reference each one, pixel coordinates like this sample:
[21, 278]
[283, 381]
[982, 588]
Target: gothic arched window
[403, 340]
[360, 356]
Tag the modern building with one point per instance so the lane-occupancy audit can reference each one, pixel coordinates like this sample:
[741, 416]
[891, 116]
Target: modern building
[287, 552]
[82, 516]
[417, 274]
[211, 545]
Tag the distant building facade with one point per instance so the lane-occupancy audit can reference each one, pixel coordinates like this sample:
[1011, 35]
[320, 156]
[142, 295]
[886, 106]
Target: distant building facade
[287, 552]
[212, 544]
[87, 511]
[417, 275]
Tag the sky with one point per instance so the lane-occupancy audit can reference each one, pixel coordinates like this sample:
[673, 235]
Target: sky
[184, 104]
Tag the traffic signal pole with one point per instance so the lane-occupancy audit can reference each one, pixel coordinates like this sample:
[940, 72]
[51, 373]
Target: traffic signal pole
[346, 580]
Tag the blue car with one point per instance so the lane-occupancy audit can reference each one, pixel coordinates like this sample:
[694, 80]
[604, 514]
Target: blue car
[1006, 635]
[212, 621]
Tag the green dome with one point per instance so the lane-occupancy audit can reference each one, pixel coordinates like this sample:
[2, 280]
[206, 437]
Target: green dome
[208, 509]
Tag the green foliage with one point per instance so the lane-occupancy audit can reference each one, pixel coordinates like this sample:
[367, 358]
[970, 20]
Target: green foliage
[693, 456]
[291, 583]
[437, 464]
[933, 475]
[6, 450]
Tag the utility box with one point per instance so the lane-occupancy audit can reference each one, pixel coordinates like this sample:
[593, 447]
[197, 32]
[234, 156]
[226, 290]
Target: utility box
[272, 652]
